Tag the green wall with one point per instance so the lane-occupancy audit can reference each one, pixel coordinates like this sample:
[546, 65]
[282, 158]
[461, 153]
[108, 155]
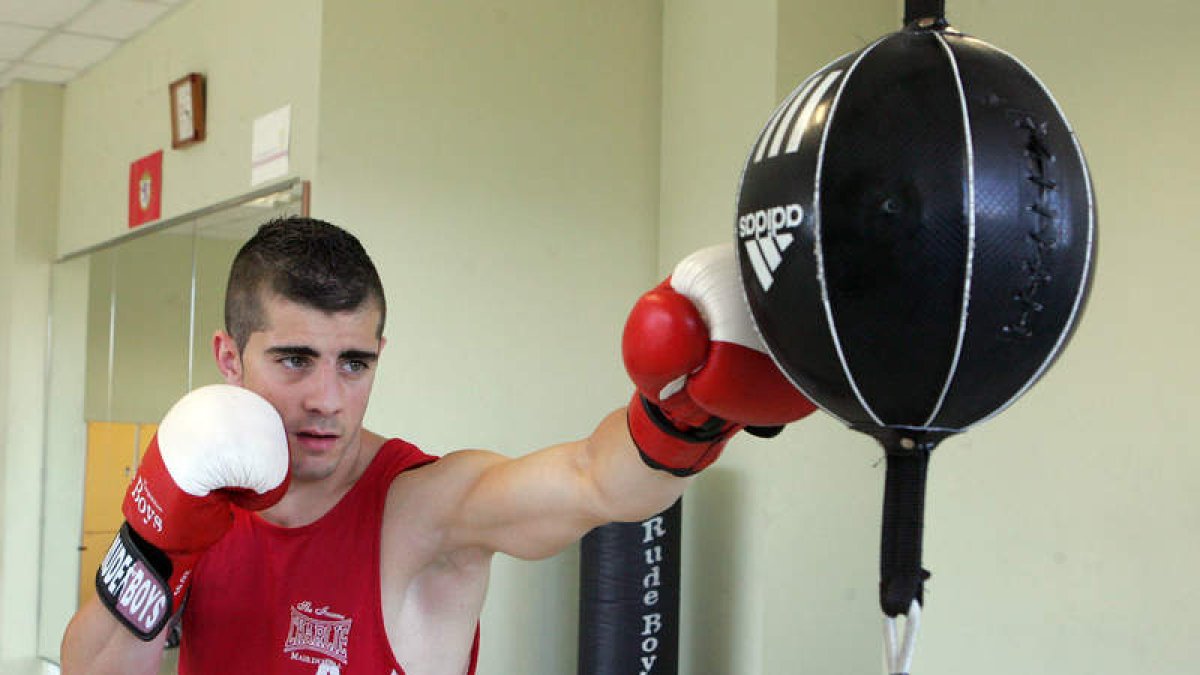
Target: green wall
[30, 124]
[1062, 533]
[780, 536]
[257, 57]
[521, 171]
[1068, 524]
[501, 166]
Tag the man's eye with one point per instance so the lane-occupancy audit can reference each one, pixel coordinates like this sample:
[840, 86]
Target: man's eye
[294, 362]
[356, 366]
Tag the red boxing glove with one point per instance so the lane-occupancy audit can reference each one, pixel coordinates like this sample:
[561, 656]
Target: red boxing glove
[702, 373]
[218, 446]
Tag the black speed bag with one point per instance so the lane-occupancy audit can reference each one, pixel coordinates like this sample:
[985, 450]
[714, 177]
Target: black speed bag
[916, 232]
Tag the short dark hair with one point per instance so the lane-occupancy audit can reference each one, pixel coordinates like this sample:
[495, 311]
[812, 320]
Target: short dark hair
[306, 261]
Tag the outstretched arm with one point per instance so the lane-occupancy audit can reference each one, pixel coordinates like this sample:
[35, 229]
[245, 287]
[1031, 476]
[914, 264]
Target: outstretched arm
[701, 374]
[534, 506]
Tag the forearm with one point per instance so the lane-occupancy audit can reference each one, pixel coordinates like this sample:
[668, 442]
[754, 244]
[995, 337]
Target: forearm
[627, 488]
[97, 644]
[533, 506]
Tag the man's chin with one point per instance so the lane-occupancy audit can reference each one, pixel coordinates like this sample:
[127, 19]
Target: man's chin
[307, 473]
[308, 469]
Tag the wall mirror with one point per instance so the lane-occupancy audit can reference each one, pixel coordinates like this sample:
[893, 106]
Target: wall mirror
[130, 332]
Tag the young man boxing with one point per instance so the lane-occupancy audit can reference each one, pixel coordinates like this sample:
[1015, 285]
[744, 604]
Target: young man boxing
[293, 540]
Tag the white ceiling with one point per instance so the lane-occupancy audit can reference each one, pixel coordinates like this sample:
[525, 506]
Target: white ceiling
[55, 40]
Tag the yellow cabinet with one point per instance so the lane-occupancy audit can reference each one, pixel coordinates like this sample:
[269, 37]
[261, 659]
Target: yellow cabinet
[113, 452]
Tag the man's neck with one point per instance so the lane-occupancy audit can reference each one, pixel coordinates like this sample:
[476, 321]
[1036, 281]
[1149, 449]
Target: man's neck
[307, 501]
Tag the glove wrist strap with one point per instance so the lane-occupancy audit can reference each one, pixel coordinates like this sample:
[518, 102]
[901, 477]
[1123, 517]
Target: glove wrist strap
[133, 582]
[680, 452]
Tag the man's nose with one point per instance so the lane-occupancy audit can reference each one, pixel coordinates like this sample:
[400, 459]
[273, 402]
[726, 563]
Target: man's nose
[324, 393]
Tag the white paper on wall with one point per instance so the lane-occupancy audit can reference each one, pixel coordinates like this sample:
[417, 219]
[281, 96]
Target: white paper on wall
[270, 145]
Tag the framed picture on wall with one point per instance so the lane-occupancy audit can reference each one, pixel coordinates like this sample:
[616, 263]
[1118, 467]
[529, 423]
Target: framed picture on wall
[187, 110]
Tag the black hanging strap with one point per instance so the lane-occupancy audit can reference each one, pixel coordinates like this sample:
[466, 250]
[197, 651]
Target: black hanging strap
[925, 9]
[901, 576]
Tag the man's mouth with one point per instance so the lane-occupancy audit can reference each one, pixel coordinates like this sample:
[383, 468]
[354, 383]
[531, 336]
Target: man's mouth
[312, 439]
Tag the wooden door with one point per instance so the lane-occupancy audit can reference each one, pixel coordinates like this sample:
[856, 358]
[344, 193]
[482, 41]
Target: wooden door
[113, 449]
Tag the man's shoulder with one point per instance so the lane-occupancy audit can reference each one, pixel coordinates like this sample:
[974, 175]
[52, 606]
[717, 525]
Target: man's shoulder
[424, 506]
[448, 475]
[396, 455]
[431, 493]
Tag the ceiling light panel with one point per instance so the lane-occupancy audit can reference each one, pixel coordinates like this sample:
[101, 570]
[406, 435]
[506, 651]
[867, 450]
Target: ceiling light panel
[71, 51]
[16, 40]
[117, 19]
[40, 13]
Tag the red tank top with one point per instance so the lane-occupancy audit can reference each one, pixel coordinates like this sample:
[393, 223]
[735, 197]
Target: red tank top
[271, 600]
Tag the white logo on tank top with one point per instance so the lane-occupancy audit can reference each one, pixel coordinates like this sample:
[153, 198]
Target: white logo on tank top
[318, 636]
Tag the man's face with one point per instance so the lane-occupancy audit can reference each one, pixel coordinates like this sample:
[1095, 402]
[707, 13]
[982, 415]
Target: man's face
[317, 369]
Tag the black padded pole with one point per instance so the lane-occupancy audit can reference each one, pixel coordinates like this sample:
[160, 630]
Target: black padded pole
[629, 597]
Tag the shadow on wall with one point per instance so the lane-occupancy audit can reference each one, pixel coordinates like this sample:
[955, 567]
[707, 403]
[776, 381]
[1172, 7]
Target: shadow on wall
[712, 569]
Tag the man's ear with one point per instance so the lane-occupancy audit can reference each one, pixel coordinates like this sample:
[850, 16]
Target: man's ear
[229, 359]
